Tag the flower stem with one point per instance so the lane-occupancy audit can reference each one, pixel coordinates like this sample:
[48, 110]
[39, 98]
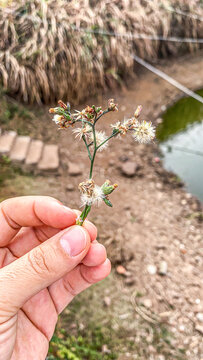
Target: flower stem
[83, 215]
[87, 208]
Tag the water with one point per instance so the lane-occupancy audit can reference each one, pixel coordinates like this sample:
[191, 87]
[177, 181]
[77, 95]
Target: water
[181, 142]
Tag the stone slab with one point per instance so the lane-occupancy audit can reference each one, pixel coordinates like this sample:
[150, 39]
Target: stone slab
[50, 158]
[20, 148]
[6, 142]
[34, 153]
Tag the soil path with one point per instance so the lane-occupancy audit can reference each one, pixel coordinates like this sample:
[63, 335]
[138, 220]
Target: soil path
[153, 218]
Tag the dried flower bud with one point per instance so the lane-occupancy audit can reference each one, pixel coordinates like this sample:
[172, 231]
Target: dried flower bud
[138, 111]
[61, 104]
[52, 110]
[107, 188]
[112, 106]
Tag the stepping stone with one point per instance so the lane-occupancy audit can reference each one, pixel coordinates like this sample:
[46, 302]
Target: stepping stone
[6, 142]
[34, 152]
[50, 158]
[20, 148]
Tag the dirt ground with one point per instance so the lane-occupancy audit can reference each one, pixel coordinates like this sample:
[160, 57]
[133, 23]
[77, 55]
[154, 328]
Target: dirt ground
[155, 227]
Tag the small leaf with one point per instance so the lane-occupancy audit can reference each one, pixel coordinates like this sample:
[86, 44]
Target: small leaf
[108, 202]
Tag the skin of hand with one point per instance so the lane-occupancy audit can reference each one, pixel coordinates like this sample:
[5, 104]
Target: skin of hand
[45, 260]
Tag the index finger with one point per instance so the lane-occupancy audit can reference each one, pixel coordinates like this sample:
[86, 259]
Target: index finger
[32, 211]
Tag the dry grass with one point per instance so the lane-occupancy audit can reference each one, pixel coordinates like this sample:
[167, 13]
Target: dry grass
[42, 59]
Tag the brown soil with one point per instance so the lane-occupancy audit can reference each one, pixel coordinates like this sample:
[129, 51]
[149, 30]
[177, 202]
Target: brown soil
[153, 219]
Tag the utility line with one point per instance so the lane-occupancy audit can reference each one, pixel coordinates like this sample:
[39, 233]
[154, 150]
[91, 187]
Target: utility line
[183, 149]
[168, 78]
[131, 36]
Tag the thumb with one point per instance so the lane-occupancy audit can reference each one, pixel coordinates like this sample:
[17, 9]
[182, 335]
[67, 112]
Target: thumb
[40, 267]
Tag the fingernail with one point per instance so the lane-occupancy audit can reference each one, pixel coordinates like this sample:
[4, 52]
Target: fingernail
[74, 241]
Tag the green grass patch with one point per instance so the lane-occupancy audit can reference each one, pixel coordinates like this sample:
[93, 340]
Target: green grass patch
[87, 345]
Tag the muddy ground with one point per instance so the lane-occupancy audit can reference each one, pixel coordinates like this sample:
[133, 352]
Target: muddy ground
[154, 222]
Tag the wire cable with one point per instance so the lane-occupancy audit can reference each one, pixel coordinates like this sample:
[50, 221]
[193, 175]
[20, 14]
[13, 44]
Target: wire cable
[131, 36]
[168, 78]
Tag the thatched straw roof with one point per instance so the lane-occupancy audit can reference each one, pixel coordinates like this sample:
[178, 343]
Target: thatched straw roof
[43, 59]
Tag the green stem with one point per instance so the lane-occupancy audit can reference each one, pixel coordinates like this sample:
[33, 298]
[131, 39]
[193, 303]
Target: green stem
[88, 150]
[94, 153]
[104, 112]
[83, 215]
[87, 208]
[112, 135]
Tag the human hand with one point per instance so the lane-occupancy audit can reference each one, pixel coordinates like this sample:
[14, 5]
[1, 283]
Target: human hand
[45, 260]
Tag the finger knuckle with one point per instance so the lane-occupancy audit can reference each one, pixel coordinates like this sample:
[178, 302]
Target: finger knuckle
[38, 261]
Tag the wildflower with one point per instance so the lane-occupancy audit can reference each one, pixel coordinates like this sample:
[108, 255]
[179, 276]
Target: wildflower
[143, 132]
[90, 193]
[100, 138]
[82, 131]
[112, 106]
[78, 115]
[122, 127]
[87, 113]
[58, 119]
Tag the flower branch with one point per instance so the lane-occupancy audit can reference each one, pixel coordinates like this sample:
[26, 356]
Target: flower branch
[142, 132]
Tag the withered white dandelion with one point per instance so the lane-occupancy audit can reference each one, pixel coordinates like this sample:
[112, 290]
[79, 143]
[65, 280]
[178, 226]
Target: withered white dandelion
[101, 139]
[82, 131]
[142, 131]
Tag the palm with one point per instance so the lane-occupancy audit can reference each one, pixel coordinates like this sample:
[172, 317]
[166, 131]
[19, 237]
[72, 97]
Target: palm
[34, 325]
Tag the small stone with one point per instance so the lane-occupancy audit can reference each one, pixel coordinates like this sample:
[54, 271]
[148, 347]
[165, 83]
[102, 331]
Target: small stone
[7, 141]
[151, 269]
[74, 169]
[129, 281]
[107, 301]
[147, 303]
[121, 270]
[165, 315]
[69, 187]
[163, 267]
[129, 168]
[111, 162]
[199, 317]
[123, 158]
[159, 120]
[183, 249]
[159, 186]
[105, 349]
[161, 247]
[197, 301]
[182, 328]
[161, 357]
[199, 328]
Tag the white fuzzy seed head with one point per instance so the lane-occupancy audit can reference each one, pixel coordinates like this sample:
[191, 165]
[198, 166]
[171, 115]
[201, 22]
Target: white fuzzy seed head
[57, 119]
[144, 132]
[82, 131]
[100, 138]
[95, 197]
